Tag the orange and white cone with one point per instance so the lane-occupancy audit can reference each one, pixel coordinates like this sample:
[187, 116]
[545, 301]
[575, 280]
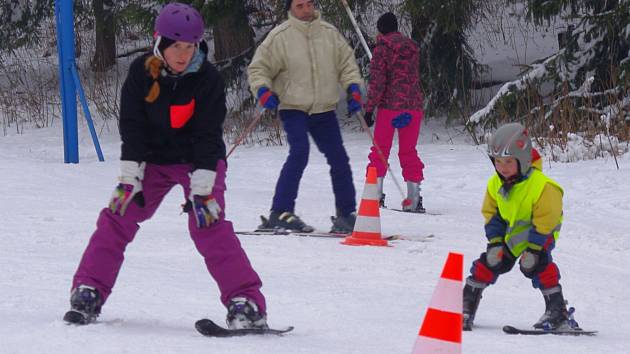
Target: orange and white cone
[367, 228]
[441, 330]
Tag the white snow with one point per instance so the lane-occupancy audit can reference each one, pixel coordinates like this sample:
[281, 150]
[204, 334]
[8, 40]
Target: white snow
[341, 299]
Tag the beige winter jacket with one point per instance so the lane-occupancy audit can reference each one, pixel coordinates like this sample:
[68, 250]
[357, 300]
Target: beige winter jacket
[304, 63]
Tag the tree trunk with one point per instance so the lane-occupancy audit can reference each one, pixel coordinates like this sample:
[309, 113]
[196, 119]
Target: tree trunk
[105, 52]
[232, 35]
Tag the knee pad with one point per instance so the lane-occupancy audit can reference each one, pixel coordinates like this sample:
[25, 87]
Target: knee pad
[498, 259]
[533, 262]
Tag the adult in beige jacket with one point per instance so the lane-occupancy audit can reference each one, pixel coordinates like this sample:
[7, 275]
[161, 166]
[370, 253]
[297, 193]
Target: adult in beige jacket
[300, 68]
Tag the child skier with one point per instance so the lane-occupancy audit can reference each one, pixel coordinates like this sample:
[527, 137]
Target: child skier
[523, 212]
[171, 127]
[395, 91]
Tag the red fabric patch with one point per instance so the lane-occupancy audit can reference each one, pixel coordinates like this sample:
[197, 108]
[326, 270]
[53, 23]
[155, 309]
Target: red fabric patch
[481, 273]
[549, 277]
[181, 114]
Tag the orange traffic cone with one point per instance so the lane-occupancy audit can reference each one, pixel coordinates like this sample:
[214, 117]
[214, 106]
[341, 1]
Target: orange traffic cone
[441, 330]
[367, 228]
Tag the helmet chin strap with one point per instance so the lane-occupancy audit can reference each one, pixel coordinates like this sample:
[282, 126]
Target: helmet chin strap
[156, 50]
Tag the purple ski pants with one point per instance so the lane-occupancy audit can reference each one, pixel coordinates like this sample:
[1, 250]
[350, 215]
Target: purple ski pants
[225, 259]
[410, 162]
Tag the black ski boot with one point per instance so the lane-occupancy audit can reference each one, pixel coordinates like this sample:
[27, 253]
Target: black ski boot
[243, 313]
[556, 314]
[343, 224]
[284, 221]
[85, 305]
[472, 296]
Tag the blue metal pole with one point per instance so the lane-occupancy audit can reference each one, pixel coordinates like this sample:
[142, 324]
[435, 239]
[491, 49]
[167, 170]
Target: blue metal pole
[65, 45]
[86, 112]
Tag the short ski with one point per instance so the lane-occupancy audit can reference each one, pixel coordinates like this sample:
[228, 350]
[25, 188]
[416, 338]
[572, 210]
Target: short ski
[411, 212]
[563, 332]
[414, 238]
[78, 318]
[211, 329]
[280, 232]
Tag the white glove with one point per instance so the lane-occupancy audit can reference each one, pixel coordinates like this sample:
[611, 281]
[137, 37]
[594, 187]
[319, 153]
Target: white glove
[129, 188]
[205, 207]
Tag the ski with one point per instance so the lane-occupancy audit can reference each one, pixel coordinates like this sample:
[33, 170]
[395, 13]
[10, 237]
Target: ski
[414, 238]
[78, 318]
[272, 232]
[411, 212]
[210, 329]
[564, 332]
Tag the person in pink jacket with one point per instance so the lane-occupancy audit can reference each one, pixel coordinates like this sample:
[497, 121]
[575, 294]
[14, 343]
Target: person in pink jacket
[395, 93]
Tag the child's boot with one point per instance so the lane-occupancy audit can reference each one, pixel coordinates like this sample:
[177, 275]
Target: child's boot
[556, 313]
[381, 195]
[472, 296]
[85, 305]
[413, 202]
[243, 313]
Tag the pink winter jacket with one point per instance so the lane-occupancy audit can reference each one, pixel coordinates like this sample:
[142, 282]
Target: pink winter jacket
[395, 74]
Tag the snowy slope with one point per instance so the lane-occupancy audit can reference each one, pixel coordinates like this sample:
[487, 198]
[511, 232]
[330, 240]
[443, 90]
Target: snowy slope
[341, 299]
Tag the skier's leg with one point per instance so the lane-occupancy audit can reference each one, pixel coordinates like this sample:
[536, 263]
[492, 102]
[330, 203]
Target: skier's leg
[410, 162]
[104, 254]
[383, 137]
[485, 270]
[295, 125]
[324, 129]
[545, 275]
[224, 257]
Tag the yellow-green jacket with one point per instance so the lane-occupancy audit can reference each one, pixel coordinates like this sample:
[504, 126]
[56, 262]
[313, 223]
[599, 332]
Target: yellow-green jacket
[304, 63]
[524, 217]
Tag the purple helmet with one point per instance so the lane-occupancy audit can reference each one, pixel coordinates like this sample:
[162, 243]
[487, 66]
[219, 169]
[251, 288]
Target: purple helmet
[180, 22]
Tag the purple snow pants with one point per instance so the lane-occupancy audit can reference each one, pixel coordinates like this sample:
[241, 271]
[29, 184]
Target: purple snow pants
[410, 162]
[225, 259]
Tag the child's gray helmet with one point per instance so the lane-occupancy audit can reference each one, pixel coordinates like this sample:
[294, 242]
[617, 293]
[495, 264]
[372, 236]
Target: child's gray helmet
[512, 140]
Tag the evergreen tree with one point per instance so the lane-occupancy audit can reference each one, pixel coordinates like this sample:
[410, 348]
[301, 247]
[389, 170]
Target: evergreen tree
[20, 21]
[588, 75]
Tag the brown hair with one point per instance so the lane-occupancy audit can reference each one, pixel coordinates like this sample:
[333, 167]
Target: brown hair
[153, 65]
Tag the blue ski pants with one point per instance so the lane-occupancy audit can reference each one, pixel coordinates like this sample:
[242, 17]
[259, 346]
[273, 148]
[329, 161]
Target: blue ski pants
[324, 128]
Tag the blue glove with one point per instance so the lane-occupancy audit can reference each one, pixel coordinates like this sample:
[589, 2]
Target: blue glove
[354, 99]
[402, 120]
[268, 98]
[206, 210]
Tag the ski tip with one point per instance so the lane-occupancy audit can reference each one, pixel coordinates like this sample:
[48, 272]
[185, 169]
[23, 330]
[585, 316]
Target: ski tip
[510, 330]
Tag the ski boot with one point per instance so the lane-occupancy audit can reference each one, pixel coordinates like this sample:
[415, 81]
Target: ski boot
[472, 296]
[343, 224]
[556, 314]
[413, 202]
[243, 313]
[284, 221]
[381, 198]
[85, 305]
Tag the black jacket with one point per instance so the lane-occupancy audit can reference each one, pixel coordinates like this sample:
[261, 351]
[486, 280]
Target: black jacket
[184, 124]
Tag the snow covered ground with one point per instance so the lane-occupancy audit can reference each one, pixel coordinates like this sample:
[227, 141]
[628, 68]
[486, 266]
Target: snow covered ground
[340, 299]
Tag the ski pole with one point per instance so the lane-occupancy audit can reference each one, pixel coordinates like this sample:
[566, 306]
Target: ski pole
[365, 127]
[356, 27]
[246, 132]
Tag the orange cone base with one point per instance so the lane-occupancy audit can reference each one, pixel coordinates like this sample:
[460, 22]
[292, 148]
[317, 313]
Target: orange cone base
[355, 241]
